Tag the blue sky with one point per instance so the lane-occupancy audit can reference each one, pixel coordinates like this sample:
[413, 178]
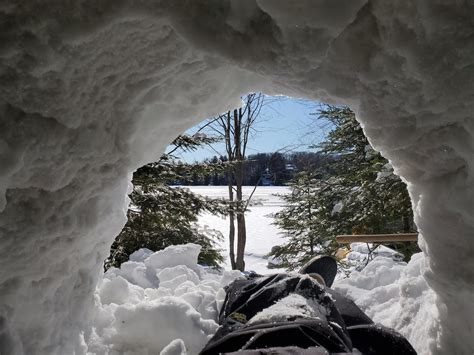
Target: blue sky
[284, 124]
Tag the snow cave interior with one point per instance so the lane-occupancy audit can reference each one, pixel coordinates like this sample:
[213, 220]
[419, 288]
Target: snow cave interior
[90, 91]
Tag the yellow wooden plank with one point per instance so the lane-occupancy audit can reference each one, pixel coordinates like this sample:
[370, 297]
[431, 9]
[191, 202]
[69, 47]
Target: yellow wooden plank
[377, 238]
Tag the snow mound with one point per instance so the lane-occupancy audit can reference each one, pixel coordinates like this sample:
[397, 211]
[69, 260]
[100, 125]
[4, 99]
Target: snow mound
[174, 310]
[169, 307]
[360, 252]
[182, 255]
[176, 347]
[396, 295]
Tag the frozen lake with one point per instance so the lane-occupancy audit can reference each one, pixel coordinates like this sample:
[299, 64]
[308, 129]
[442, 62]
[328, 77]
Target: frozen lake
[262, 235]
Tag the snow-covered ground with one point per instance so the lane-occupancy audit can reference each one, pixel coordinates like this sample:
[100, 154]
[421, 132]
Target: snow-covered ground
[165, 303]
[396, 295]
[261, 234]
[161, 302]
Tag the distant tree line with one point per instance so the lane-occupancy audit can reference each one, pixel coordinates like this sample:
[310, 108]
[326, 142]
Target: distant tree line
[279, 168]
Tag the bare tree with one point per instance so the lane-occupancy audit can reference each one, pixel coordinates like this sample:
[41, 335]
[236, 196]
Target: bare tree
[236, 129]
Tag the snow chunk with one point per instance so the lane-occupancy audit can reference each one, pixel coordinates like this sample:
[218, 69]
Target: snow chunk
[175, 255]
[360, 251]
[230, 276]
[385, 173]
[140, 255]
[178, 314]
[176, 275]
[337, 208]
[119, 291]
[136, 273]
[176, 347]
[152, 325]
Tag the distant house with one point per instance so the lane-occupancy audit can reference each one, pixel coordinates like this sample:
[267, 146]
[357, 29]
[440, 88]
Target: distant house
[267, 178]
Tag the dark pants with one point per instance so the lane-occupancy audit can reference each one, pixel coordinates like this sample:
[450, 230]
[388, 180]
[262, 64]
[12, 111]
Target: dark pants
[341, 328]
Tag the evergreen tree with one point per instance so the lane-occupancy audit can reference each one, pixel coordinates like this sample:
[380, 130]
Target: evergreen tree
[374, 199]
[355, 192]
[161, 215]
[306, 220]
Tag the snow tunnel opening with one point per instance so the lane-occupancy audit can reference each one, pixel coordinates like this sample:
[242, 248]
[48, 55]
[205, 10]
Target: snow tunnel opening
[278, 140]
[122, 286]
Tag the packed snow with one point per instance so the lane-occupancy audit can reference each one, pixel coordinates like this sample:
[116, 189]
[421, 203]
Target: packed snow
[91, 92]
[165, 303]
[396, 295]
[161, 302]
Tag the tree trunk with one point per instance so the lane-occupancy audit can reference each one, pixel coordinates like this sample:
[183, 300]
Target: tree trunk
[232, 241]
[230, 156]
[241, 228]
[310, 217]
[239, 172]
[231, 225]
[241, 240]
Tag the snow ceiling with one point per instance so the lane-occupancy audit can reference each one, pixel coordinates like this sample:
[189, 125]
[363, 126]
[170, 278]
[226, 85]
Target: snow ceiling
[91, 90]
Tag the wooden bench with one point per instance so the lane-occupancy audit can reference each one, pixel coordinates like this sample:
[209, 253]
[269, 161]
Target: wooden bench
[377, 238]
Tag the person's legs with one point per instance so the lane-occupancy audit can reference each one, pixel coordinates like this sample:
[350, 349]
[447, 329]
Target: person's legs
[315, 321]
[298, 311]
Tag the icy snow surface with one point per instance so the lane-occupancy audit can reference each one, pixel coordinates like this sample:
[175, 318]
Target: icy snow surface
[92, 90]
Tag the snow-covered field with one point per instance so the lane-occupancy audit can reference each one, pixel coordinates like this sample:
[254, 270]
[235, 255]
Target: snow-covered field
[261, 234]
[164, 303]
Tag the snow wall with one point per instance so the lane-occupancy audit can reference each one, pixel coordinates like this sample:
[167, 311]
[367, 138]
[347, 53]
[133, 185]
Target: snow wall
[92, 90]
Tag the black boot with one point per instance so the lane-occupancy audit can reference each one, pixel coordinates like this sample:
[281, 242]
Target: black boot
[323, 265]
